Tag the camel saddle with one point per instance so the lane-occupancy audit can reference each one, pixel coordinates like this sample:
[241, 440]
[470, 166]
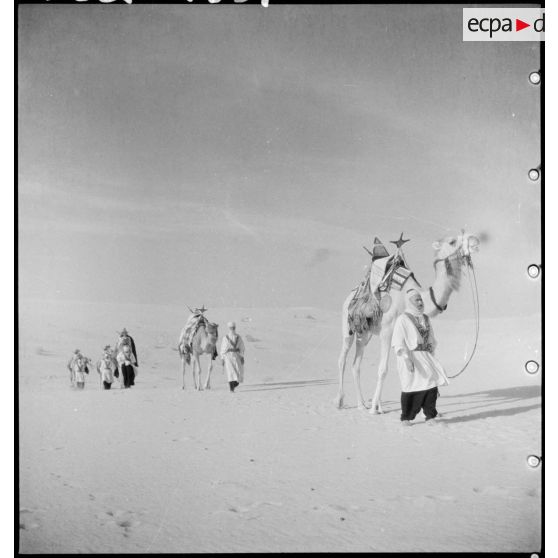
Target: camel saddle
[197, 321]
[371, 299]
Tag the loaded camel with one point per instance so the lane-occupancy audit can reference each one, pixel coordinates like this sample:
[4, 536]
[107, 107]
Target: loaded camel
[204, 341]
[450, 256]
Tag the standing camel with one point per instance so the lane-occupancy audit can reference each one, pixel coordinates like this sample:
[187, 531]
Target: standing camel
[451, 255]
[203, 342]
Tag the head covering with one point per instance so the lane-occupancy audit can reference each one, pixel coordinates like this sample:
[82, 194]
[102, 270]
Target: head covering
[124, 332]
[409, 306]
[231, 325]
[76, 352]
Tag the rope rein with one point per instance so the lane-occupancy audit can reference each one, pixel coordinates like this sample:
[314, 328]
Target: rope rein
[475, 296]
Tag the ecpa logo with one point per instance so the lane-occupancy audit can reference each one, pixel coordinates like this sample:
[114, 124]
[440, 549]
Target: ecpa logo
[503, 24]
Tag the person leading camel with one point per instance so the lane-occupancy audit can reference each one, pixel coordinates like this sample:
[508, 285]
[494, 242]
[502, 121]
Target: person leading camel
[232, 357]
[420, 373]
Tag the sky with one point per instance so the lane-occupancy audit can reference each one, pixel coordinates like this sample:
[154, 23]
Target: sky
[234, 155]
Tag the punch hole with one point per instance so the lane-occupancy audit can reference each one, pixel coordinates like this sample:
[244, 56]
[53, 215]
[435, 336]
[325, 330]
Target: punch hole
[534, 555]
[534, 174]
[532, 366]
[533, 461]
[535, 77]
[533, 271]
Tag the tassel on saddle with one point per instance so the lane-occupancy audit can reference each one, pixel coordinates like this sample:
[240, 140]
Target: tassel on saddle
[364, 309]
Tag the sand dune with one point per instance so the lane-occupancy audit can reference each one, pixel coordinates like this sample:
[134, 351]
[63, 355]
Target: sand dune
[274, 467]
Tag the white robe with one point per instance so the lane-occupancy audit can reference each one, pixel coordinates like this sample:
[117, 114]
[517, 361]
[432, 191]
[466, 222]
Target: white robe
[234, 369]
[79, 371]
[121, 359]
[428, 372]
[106, 370]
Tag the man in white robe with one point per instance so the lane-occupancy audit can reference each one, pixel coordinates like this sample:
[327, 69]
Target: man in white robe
[126, 339]
[106, 368]
[127, 365]
[80, 369]
[70, 367]
[420, 373]
[232, 357]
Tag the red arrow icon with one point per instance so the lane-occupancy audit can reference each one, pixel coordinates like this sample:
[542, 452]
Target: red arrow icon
[519, 25]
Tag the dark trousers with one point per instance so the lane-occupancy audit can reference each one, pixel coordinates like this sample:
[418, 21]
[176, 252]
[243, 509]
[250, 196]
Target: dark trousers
[413, 401]
[106, 384]
[128, 375]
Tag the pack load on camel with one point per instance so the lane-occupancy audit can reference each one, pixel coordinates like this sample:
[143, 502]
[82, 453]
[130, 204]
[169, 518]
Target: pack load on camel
[195, 321]
[371, 298]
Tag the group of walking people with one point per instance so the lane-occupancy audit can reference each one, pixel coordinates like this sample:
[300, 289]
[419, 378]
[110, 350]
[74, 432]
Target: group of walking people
[420, 373]
[120, 363]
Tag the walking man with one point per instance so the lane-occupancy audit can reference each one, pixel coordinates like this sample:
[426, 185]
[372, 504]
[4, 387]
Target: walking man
[420, 373]
[126, 339]
[127, 365]
[107, 368]
[232, 357]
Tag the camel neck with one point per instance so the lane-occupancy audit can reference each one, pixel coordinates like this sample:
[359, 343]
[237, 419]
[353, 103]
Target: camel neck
[442, 284]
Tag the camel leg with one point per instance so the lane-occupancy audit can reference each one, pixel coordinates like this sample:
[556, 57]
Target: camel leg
[183, 372]
[198, 373]
[385, 347]
[193, 363]
[347, 344]
[207, 382]
[359, 353]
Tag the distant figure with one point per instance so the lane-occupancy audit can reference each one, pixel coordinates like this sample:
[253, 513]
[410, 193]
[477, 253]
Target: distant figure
[126, 339]
[70, 367]
[80, 370]
[419, 371]
[232, 357]
[107, 368]
[127, 364]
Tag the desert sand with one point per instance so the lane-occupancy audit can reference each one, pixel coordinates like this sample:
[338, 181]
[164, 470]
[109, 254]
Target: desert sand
[274, 466]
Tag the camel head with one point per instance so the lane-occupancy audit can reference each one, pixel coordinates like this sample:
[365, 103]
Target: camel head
[212, 331]
[455, 252]
[462, 245]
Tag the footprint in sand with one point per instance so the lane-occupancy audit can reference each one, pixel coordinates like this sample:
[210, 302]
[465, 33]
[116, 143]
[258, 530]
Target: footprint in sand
[27, 519]
[124, 520]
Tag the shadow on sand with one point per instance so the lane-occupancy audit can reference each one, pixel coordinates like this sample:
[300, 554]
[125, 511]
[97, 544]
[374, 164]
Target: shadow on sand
[288, 385]
[491, 398]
